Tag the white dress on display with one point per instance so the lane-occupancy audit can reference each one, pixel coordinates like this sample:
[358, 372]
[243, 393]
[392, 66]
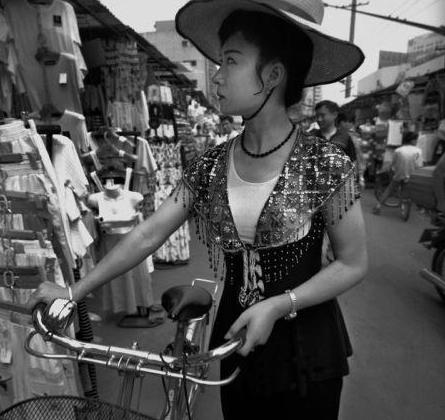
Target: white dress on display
[132, 289]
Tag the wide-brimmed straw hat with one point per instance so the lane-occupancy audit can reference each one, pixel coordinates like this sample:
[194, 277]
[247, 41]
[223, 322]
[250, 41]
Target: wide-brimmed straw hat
[200, 20]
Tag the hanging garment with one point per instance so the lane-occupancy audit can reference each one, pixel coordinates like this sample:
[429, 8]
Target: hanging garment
[68, 166]
[75, 124]
[32, 376]
[146, 164]
[53, 27]
[9, 67]
[73, 184]
[35, 174]
[64, 84]
[169, 175]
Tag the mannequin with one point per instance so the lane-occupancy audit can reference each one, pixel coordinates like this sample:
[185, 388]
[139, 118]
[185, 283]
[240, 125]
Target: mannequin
[118, 213]
[118, 208]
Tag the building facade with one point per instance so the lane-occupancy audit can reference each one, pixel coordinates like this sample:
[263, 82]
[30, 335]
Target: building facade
[179, 50]
[425, 47]
[391, 58]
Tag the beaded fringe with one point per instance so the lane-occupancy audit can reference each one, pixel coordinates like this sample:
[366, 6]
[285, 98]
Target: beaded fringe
[341, 200]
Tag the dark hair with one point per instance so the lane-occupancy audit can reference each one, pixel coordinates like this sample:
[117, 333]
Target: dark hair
[226, 118]
[408, 137]
[343, 117]
[330, 105]
[276, 39]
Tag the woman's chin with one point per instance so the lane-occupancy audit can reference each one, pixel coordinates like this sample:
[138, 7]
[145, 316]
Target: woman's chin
[226, 109]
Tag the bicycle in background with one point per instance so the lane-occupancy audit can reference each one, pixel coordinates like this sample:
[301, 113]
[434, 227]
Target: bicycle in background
[397, 198]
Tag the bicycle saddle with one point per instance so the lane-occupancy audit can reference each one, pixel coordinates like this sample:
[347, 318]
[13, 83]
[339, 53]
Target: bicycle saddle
[183, 303]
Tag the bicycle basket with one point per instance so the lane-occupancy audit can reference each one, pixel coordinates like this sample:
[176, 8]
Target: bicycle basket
[68, 408]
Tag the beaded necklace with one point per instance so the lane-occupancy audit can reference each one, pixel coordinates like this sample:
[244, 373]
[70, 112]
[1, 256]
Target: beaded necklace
[261, 155]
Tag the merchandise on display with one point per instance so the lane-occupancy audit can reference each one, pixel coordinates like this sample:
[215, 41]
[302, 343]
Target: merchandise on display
[47, 42]
[118, 214]
[35, 236]
[91, 143]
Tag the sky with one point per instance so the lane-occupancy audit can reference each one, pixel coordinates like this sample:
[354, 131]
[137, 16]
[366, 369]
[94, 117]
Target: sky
[371, 34]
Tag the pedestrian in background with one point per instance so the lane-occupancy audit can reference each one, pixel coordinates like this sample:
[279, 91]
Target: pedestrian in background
[227, 129]
[326, 113]
[407, 158]
[262, 202]
[346, 124]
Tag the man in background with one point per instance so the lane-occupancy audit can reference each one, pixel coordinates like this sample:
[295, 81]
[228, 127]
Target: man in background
[407, 158]
[346, 124]
[227, 130]
[326, 113]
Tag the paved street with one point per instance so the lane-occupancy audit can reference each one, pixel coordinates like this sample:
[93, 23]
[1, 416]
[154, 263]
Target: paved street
[396, 322]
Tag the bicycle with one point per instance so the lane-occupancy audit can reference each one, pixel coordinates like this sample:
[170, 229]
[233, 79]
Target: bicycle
[397, 198]
[185, 362]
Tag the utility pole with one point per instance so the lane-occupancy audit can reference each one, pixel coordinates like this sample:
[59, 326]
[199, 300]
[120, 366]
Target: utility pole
[351, 39]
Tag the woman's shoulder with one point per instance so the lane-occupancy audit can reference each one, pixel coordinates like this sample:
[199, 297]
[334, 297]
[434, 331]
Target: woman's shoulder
[325, 154]
[199, 170]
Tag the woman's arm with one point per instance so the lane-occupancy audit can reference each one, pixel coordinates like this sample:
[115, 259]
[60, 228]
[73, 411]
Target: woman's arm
[348, 241]
[137, 245]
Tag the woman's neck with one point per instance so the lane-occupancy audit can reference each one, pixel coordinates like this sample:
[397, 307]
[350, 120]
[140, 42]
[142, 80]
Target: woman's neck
[267, 129]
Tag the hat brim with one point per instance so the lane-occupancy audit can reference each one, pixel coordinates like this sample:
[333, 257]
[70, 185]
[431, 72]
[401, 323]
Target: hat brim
[199, 22]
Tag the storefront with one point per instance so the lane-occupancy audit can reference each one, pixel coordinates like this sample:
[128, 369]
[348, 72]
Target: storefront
[91, 122]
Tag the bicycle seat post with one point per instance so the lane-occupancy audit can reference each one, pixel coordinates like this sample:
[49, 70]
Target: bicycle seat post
[178, 347]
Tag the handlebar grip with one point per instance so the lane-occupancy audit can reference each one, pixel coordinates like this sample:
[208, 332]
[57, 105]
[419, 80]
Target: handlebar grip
[241, 335]
[56, 317]
[38, 309]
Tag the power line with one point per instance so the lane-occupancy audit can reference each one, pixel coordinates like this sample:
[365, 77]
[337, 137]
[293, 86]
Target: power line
[398, 11]
[383, 28]
[427, 7]
[438, 29]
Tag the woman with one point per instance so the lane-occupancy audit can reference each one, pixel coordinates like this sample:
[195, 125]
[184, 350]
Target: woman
[263, 201]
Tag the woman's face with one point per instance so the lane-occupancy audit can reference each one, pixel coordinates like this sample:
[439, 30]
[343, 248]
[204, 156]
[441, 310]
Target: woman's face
[237, 79]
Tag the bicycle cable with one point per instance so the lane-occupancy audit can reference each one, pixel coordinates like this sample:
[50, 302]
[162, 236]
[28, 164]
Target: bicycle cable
[164, 386]
[184, 384]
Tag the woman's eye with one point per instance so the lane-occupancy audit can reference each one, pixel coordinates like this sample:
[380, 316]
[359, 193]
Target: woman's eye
[230, 60]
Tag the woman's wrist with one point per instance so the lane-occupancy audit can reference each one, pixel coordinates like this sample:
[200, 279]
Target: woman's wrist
[282, 305]
[75, 293]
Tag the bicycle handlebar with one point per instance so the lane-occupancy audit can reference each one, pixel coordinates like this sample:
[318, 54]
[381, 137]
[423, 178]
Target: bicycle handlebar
[120, 358]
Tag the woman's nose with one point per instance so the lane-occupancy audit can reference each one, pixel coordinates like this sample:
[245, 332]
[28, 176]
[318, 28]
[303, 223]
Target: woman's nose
[216, 79]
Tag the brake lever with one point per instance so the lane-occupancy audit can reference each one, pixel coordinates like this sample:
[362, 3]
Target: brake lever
[226, 349]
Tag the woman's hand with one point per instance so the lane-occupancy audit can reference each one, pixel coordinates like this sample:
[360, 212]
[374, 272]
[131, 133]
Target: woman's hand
[46, 292]
[259, 320]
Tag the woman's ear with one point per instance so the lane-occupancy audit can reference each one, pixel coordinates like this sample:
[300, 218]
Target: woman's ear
[276, 74]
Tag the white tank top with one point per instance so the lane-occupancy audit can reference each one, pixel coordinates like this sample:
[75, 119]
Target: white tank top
[246, 201]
